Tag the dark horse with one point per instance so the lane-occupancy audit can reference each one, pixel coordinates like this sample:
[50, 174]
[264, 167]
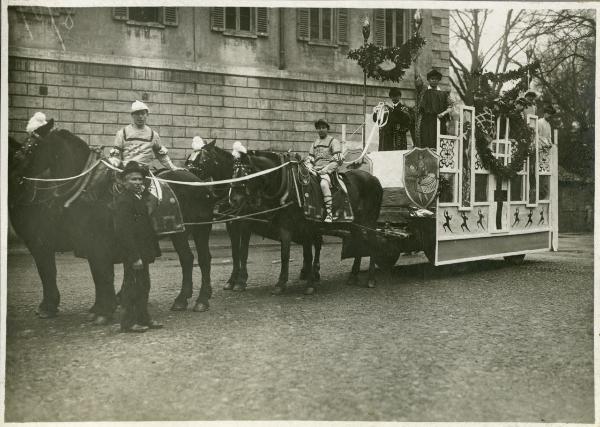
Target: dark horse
[218, 164]
[39, 215]
[288, 224]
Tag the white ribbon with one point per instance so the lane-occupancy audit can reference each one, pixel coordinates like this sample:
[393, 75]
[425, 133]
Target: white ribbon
[208, 183]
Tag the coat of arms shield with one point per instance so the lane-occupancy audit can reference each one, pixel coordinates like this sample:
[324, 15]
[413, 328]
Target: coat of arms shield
[421, 173]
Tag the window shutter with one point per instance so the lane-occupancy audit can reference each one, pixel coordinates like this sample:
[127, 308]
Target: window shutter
[170, 16]
[378, 27]
[342, 26]
[262, 21]
[217, 18]
[302, 23]
[121, 13]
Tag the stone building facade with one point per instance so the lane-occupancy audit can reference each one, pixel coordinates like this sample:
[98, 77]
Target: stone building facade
[258, 75]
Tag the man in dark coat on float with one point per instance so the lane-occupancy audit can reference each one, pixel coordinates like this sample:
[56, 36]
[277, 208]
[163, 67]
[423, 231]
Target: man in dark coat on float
[392, 136]
[433, 103]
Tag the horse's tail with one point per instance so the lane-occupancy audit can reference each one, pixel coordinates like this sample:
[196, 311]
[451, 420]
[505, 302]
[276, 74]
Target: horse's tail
[373, 210]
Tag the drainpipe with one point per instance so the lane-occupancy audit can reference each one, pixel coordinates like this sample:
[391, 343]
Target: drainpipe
[281, 39]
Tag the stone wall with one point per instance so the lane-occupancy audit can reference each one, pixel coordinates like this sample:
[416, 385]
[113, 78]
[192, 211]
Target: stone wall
[93, 101]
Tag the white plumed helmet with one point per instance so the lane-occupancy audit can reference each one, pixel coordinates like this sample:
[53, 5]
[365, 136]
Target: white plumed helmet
[139, 106]
[197, 143]
[237, 149]
[38, 120]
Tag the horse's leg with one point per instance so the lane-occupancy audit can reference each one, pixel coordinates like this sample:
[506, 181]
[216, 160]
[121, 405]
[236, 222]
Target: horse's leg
[307, 259]
[242, 279]
[371, 282]
[316, 267]
[186, 260]
[103, 274]
[201, 237]
[353, 277]
[45, 262]
[233, 230]
[286, 239]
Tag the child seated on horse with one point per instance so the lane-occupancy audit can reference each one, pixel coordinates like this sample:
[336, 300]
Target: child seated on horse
[324, 158]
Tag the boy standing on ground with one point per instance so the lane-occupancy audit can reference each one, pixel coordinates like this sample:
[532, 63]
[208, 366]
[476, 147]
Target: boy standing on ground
[139, 246]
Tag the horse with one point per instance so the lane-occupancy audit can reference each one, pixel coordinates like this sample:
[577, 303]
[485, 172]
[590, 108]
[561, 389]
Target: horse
[218, 164]
[364, 191]
[75, 214]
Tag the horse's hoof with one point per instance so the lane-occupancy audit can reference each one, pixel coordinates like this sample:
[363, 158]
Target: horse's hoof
[371, 284]
[277, 290]
[91, 317]
[199, 307]
[179, 305]
[309, 290]
[101, 320]
[352, 281]
[228, 287]
[45, 314]
[239, 288]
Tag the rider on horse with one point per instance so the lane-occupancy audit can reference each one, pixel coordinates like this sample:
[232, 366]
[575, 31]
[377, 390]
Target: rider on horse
[324, 158]
[139, 142]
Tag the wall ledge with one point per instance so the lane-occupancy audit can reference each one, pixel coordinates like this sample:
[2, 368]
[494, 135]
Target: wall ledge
[55, 55]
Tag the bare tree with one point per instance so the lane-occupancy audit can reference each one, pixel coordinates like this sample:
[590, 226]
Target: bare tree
[467, 29]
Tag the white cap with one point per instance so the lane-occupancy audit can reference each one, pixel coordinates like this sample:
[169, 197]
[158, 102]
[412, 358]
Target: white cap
[138, 106]
[237, 149]
[197, 143]
[38, 120]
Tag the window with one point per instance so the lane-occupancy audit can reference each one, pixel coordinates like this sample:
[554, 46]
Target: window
[322, 26]
[148, 16]
[144, 14]
[516, 188]
[240, 21]
[448, 188]
[391, 27]
[481, 188]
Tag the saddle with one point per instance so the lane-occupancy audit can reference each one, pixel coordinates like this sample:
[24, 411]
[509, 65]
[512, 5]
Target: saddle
[311, 197]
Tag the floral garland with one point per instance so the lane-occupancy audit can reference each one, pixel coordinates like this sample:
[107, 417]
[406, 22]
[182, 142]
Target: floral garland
[522, 137]
[370, 57]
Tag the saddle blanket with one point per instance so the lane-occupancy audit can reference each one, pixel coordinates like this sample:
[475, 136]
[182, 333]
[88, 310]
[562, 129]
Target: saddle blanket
[312, 199]
[164, 209]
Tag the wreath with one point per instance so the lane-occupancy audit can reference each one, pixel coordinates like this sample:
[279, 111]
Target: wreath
[522, 137]
[371, 57]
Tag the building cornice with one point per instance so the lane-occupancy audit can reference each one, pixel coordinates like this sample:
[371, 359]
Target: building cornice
[154, 63]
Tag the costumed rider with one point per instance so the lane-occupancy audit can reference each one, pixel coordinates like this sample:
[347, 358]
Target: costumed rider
[434, 104]
[398, 121]
[324, 158]
[137, 141]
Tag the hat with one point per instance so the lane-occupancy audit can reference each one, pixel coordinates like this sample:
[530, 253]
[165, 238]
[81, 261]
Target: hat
[434, 73]
[549, 109]
[394, 91]
[197, 143]
[531, 92]
[133, 166]
[321, 122]
[38, 120]
[138, 106]
[522, 101]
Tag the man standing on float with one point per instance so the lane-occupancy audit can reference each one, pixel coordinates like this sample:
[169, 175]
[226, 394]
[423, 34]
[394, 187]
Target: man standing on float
[433, 104]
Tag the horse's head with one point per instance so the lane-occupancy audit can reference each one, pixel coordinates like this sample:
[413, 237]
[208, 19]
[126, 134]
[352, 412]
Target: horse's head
[255, 192]
[211, 162]
[48, 152]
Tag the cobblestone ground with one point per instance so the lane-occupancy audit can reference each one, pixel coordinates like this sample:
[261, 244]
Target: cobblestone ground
[489, 343]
